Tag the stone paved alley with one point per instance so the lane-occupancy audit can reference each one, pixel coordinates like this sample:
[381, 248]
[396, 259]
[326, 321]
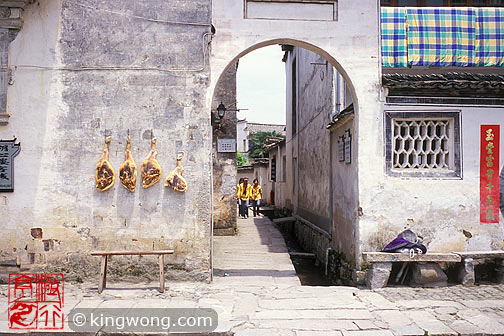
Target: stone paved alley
[256, 292]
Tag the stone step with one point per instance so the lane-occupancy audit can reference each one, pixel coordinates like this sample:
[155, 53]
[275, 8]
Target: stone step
[284, 220]
[302, 255]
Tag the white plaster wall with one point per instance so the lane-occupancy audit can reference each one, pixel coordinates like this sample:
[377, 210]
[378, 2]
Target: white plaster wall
[316, 172]
[438, 209]
[242, 134]
[32, 99]
[280, 185]
[291, 148]
[345, 196]
[314, 106]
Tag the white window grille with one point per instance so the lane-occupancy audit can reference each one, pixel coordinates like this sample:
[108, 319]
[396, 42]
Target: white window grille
[422, 144]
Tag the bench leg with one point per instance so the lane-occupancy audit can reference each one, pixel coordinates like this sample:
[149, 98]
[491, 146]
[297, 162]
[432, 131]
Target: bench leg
[466, 272]
[103, 274]
[401, 272]
[161, 274]
[378, 275]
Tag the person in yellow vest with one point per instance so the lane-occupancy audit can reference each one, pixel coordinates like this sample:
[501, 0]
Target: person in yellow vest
[238, 198]
[256, 197]
[244, 194]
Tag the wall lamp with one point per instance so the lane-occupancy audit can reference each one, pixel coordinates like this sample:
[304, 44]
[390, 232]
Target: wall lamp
[221, 112]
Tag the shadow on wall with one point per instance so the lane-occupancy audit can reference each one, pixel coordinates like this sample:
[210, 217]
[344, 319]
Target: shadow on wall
[501, 205]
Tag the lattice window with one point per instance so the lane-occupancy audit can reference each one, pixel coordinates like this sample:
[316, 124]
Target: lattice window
[422, 144]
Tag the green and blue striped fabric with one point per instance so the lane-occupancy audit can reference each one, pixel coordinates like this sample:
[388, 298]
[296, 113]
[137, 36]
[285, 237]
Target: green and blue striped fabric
[393, 37]
[490, 37]
[444, 36]
[441, 36]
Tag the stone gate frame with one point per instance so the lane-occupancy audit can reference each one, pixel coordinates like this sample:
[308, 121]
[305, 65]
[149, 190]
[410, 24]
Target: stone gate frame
[350, 42]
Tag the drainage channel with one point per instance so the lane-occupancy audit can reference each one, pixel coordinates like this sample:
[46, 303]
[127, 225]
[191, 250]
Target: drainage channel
[307, 269]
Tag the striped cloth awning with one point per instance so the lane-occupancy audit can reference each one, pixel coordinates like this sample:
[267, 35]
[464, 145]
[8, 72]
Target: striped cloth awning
[458, 36]
[394, 43]
[490, 37]
[441, 36]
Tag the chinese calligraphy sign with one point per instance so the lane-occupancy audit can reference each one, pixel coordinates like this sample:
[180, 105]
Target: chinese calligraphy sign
[8, 150]
[489, 174]
[36, 301]
[348, 146]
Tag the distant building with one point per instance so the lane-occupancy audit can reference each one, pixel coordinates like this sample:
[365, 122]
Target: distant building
[245, 130]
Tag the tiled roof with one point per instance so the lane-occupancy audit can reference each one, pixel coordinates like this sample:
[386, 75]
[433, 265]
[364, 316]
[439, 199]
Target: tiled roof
[452, 84]
[343, 115]
[256, 127]
[272, 142]
[449, 80]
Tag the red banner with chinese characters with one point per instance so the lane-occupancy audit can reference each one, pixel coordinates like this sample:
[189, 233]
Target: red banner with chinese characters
[489, 174]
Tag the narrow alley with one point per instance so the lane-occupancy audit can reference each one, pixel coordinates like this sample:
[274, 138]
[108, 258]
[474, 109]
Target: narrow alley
[257, 254]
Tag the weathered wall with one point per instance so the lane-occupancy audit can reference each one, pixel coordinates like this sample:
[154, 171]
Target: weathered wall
[314, 106]
[245, 171]
[96, 69]
[317, 161]
[345, 199]
[437, 209]
[280, 185]
[224, 164]
[291, 148]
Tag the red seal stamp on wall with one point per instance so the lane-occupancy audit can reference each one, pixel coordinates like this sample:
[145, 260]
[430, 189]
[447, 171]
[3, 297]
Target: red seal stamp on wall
[36, 301]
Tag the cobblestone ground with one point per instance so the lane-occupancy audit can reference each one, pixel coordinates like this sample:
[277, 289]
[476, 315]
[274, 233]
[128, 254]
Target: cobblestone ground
[256, 292]
[450, 293]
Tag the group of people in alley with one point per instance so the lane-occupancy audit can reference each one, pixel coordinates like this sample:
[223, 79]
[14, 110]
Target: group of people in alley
[248, 193]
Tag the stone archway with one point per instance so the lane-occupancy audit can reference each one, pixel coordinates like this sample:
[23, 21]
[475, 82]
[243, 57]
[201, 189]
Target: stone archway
[221, 162]
[353, 49]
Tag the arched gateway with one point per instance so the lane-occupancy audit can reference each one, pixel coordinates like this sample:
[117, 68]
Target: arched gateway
[346, 35]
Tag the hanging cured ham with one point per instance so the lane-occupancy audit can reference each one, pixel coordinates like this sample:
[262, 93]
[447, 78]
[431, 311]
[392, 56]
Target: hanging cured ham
[175, 179]
[128, 170]
[104, 174]
[151, 171]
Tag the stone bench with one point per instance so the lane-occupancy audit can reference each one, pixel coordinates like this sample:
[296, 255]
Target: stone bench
[103, 269]
[466, 274]
[381, 264]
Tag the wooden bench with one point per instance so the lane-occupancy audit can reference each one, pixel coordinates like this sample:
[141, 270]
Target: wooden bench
[381, 264]
[466, 274]
[103, 269]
